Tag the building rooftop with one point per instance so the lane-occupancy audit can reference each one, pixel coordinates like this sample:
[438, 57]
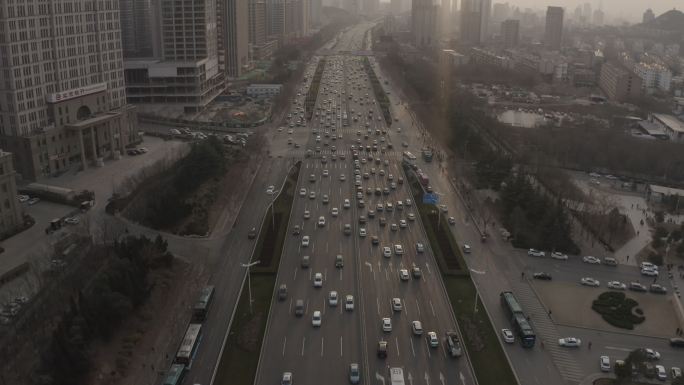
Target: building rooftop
[671, 122]
[666, 190]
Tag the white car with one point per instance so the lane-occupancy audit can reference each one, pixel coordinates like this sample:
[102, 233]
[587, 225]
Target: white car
[591, 260]
[451, 220]
[508, 336]
[305, 241]
[349, 302]
[535, 253]
[432, 339]
[318, 280]
[325, 172]
[617, 285]
[316, 319]
[362, 232]
[334, 211]
[307, 214]
[342, 178]
[407, 202]
[588, 281]
[302, 192]
[72, 220]
[604, 363]
[270, 190]
[398, 249]
[346, 204]
[332, 298]
[404, 274]
[649, 272]
[312, 195]
[386, 252]
[396, 304]
[420, 247]
[652, 354]
[403, 224]
[561, 256]
[467, 249]
[321, 221]
[411, 217]
[286, 379]
[570, 342]
[675, 372]
[386, 324]
[661, 373]
[417, 328]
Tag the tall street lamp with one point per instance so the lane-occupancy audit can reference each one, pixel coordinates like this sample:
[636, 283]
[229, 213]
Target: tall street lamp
[249, 282]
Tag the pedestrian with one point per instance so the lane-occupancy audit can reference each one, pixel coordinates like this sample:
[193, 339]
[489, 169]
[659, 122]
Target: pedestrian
[549, 313]
[589, 345]
[627, 260]
[677, 331]
[522, 275]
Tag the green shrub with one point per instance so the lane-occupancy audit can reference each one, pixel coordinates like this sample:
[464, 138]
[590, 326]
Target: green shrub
[616, 309]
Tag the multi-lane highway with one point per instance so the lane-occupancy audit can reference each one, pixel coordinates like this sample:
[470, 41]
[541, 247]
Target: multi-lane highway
[348, 178]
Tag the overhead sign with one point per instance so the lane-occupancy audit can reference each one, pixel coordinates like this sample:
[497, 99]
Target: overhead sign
[430, 198]
[76, 92]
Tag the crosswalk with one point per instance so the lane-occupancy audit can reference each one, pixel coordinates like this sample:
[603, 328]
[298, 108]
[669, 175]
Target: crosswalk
[347, 153]
[547, 332]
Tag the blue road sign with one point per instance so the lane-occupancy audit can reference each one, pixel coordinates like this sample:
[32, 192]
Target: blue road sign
[430, 198]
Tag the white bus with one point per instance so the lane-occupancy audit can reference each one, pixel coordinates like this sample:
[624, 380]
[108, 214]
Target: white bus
[396, 376]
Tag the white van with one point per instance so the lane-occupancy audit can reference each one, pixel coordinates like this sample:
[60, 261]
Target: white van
[396, 376]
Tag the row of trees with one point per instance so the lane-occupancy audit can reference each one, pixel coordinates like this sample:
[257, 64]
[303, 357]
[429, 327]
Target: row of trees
[637, 363]
[118, 288]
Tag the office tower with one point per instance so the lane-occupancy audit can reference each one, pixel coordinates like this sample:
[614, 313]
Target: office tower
[554, 28]
[598, 18]
[648, 16]
[11, 213]
[470, 21]
[510, 30]
[257, 22]
[424, 22]
[139, 28]
[500, 12]
[187, 75]
[62, 95]
[316, 12]
[275, 19]
[586, 13]
[485, 13]
[233, 41]
[619, 83]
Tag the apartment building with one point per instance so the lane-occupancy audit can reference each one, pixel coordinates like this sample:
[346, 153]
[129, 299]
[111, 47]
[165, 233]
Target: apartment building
[619, 83]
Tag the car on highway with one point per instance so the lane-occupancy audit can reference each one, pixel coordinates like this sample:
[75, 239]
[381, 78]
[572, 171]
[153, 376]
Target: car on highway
[535, 253]
[347, 229]
[302, 192]
[398, 249]
[604, 363]
[299, 307]
[252, 233]
[404, 274]
[508, 336]
[417, 328]
[306, 261]
[346, 204]
[610, 261]
[375, 240]
[675, 372]
[334, 212]
[386, 252]
[591, 260]
[588, 281]
[354, 373]
[542, 276]
[382, 349]
[312, 195]
[307, 214]
[420, 247]
[560, 256]
[316, 318]
[433, 341]
[286, 379]
[339, 261]
[342, 178]
[451, 220]
[349, 302]
[326, 200]
[396, 304]
[616, 285]
[332, 298]
[362, 232]
[325, 172]
[657, 289]
[416, 272]
[318, 280]
[402, 223]
[637, 286]
[411, 217]
[453, 344]
[305, 241]
[321, 221]
[570, 342]
[386, 324]
[296, 230]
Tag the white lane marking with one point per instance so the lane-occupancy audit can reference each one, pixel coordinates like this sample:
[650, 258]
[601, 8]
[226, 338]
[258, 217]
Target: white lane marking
[310, 272]
[427, 347]
[428, 267]
[380, 378]
[325, 274]
[321, 346]
[418, 307]
[412, 349]
[433, 308]
[619, 349]
[441, 378]
[303, 342]
[386, 274]
[295, 274]
[340, 274]
[340, 346]
[377, 303]
[289, 310]
[284, 344]
[396, 343]
[427, 378]
[405, 308]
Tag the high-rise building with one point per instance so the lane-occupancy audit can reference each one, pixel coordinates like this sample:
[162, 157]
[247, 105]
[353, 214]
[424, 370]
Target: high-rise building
[470, 21]
[275, 19]
[598, 17]
[618, 83]
[11, 216]
[510, 31]
[485, 14]
[424, 22]
[316, 7]
[187, 73]
[553, 35]
[257, 22]
[648, 16]
[586, 13]
[139, 28]
[62, 93]
[233, 36]
[500, 12]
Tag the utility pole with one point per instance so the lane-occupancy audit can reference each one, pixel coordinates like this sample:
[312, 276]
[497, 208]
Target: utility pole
[249, 282]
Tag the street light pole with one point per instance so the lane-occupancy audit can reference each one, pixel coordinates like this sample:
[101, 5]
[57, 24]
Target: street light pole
[249, 282]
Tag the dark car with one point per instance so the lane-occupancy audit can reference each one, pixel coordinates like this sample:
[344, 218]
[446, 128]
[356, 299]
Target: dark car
[543, 276]
[677, 342]
[252, 233]
[382, 349]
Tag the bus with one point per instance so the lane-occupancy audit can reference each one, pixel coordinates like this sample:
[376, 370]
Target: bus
[188, 347]
[345, 119]
[409, 156]
[396, 376]
[518, 319]
[175, 375]
[199, 311]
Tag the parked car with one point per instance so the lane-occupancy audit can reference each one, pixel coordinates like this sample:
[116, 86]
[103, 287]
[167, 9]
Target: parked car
[588, 281]
[617, 285]
[542, 276]
[636, 286]
[557, 255]
[535, 253]
[657, 289]
[591, 260]
[570, 342]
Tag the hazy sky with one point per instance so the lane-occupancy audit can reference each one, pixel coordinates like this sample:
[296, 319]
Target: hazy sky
[627, 9]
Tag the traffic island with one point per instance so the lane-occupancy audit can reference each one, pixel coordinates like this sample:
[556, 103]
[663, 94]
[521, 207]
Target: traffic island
[240, 358]
[618, 310]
